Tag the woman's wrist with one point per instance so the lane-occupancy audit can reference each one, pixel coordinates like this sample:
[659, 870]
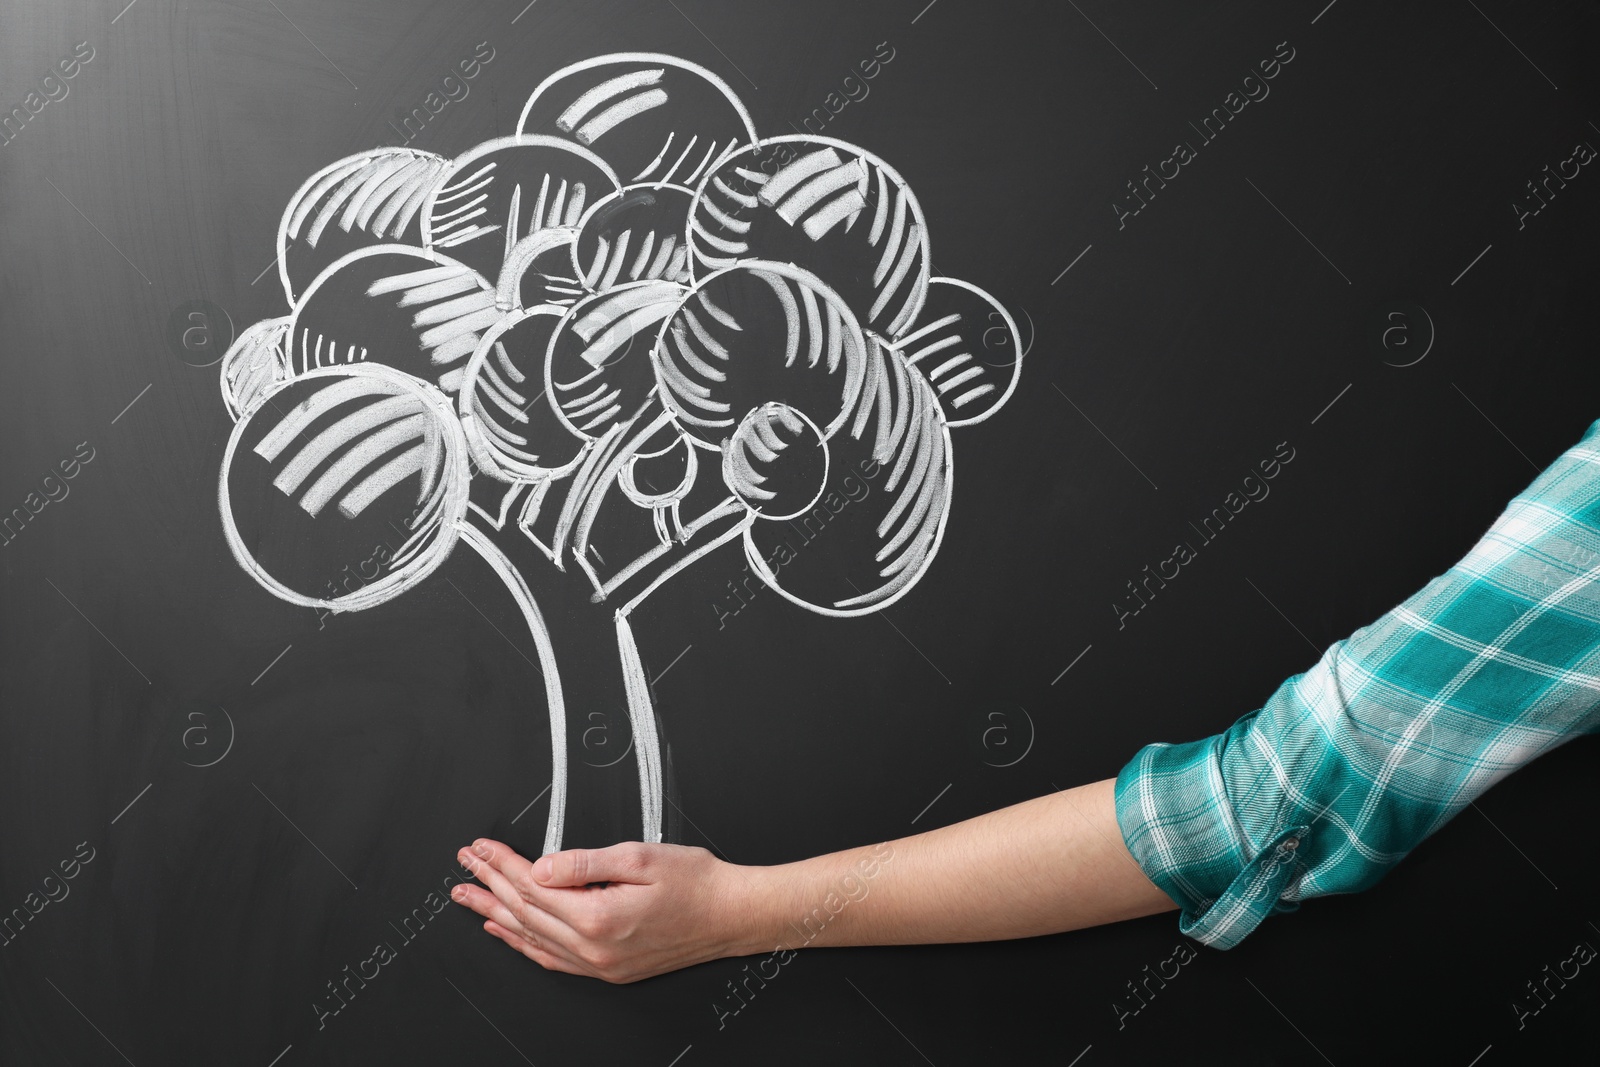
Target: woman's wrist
[747, 902]
[806, 903]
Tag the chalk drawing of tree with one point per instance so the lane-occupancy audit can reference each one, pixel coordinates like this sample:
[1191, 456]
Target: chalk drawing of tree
[633, 316]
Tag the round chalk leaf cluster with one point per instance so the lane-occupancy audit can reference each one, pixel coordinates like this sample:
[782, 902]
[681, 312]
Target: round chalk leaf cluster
[633, 282]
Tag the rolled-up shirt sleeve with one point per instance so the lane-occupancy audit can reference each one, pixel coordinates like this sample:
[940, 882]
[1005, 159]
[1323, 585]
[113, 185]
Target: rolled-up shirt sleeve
[1349, 766]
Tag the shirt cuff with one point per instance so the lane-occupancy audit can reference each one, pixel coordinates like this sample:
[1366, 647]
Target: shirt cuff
[1193, 851]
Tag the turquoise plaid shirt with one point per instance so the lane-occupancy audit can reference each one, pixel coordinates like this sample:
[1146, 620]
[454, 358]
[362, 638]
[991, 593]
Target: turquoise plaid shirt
[1396, 729]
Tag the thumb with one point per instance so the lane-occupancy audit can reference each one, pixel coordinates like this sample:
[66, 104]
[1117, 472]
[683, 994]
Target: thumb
[581, 866]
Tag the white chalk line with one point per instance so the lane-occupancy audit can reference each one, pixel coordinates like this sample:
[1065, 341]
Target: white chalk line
[554, 699]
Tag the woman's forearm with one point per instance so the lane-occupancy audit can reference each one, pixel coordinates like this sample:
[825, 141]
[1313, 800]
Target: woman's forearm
[635, 910]
[1043, 866]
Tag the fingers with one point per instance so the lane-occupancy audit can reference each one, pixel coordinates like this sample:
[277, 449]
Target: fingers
[548, 907]
[521, 930]
[531, 917]
[547, 960]
[627, 862]
[503, 858]
[522, 877]
[506, 874]
[619, 914]
[554, 884]
[488, 905]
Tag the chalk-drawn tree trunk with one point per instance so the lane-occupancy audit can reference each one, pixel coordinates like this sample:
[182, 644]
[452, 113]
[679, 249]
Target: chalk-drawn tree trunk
[596, 689]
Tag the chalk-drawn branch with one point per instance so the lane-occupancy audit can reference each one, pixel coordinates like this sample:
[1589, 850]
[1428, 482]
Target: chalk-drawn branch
[632, 582]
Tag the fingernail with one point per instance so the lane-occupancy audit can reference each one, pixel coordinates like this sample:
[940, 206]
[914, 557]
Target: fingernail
[481, 849]
[543, 868]
[458, 894]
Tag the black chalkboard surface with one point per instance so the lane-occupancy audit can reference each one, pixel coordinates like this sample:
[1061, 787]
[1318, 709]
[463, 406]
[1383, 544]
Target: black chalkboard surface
[398, 446]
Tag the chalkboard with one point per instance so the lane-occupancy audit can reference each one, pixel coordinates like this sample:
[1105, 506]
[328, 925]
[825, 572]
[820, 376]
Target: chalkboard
[1266, 311]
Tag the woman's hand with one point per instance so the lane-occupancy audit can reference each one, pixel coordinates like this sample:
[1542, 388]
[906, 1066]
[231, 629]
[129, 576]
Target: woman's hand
[621, 913]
